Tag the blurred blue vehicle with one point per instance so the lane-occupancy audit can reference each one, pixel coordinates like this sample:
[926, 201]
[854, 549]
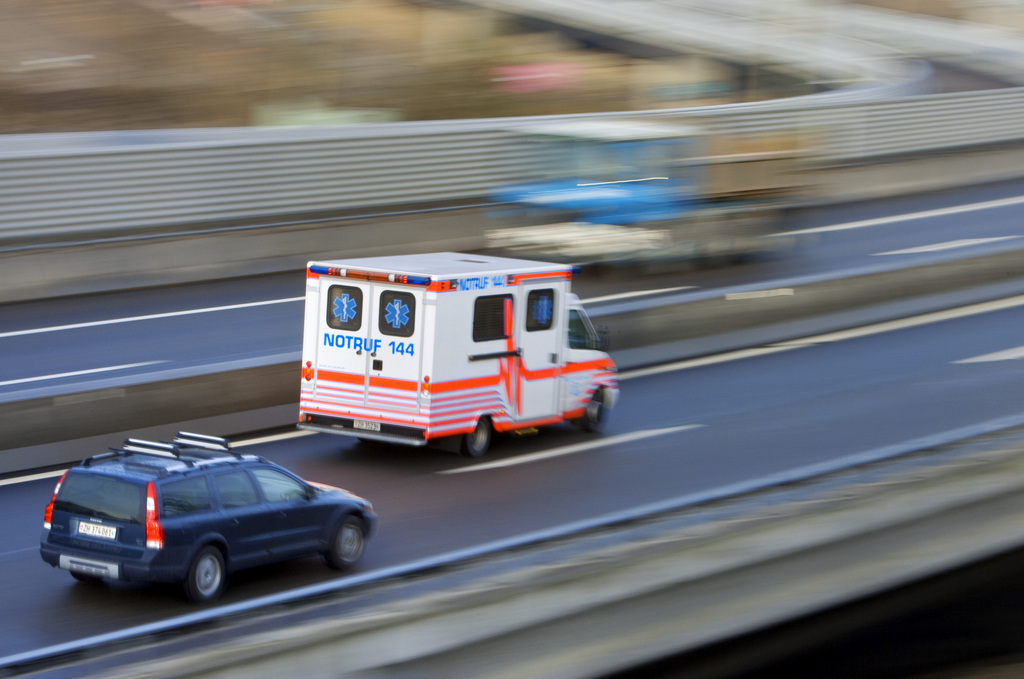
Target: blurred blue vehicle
[613, 190]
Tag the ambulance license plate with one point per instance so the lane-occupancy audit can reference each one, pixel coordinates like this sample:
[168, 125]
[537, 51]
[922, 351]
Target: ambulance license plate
[366, 425]
[95, 529]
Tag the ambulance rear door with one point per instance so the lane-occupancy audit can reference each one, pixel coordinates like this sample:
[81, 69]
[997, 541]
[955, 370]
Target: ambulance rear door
[370, 355]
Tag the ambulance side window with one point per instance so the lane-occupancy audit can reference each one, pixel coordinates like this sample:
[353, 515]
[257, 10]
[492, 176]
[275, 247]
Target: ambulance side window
[344, 307]
[397, 315]
[489, 318]
[540, 309]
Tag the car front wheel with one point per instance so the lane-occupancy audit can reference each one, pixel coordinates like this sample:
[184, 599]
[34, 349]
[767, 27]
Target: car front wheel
[347, 543]
[206, 576]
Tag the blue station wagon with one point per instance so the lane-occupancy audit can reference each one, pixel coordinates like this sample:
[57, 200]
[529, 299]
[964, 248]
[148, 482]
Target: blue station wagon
[193, 510]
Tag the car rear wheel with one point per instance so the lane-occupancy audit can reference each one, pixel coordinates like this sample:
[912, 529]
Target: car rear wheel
[206, 576]
[476, 443]
[347, 543]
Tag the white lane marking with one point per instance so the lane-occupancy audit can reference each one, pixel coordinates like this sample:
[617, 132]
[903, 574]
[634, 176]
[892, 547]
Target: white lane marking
[704, 360]
[925, 214]
[240, 444]
[76, 373]
[760, 294]
[852, 333]
[1005, 355]
[575, 448]
[637, 293]
[948, 245]
[248, 305]
[913, 321]
[31, 477]
[148, 317]
[284, 436]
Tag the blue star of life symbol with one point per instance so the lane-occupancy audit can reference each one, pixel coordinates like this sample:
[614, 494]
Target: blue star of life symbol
[397, 314]
[542, 311]
[344, 308]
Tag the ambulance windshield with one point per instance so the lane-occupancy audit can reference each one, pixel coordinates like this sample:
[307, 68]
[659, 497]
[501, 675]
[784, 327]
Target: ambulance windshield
[581, 332]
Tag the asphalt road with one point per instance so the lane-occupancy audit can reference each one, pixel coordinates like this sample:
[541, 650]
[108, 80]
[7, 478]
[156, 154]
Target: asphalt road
[675, 432]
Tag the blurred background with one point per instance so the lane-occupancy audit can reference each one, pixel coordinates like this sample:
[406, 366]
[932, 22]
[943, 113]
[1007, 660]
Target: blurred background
[130, 64]
[136, 64]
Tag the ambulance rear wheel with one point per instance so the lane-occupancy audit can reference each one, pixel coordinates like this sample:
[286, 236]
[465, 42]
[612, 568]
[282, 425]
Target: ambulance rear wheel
[476, 443]
[593, 415]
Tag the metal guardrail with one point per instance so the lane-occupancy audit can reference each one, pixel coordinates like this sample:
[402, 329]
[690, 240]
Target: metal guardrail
[103, 182]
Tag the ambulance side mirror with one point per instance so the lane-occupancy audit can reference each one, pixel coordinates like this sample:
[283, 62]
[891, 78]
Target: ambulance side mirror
[604, 338]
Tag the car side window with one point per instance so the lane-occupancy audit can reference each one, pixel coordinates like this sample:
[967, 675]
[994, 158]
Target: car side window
[278, 487]
[184, 497]
[235, 489]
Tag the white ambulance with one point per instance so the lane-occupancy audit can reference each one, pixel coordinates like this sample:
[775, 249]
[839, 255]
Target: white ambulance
[445, 348]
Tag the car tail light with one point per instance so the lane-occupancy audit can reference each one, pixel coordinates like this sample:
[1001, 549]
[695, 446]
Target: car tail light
[48, 512]
[154, 530]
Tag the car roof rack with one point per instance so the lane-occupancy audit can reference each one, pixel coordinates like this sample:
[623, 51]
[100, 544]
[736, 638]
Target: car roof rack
[182, 444]
[215, 443]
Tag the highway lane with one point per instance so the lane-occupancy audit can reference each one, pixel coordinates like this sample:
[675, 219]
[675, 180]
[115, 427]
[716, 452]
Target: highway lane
[61, 344]
[798, 405]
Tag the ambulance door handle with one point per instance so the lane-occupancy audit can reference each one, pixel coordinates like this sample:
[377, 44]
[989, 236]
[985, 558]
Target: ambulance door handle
[554, 358]
[497, 354]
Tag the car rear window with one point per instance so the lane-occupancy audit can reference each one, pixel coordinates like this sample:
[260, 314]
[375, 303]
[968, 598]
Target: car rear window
[102, 497]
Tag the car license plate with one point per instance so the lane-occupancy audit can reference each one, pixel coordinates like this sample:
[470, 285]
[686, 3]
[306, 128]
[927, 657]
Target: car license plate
[366, 425]
[96, 530]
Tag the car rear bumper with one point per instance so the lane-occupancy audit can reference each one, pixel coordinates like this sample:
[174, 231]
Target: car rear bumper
[147, 569]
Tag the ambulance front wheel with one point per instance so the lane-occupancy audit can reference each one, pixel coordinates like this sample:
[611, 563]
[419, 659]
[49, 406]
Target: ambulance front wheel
[476, 442]
[593, 415]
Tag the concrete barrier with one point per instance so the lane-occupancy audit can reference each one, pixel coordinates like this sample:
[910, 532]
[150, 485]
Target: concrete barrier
[656, 590]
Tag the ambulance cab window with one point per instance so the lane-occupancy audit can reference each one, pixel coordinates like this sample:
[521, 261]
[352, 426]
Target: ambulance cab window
[344, 307]
[581, 333]
[397, 315]
[540, 309]
[489, 318]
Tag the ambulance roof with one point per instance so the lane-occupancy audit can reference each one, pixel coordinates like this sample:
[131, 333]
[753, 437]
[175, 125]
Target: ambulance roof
[444, 264]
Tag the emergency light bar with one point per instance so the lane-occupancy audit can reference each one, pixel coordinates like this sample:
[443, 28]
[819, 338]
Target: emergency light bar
[376, 276]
